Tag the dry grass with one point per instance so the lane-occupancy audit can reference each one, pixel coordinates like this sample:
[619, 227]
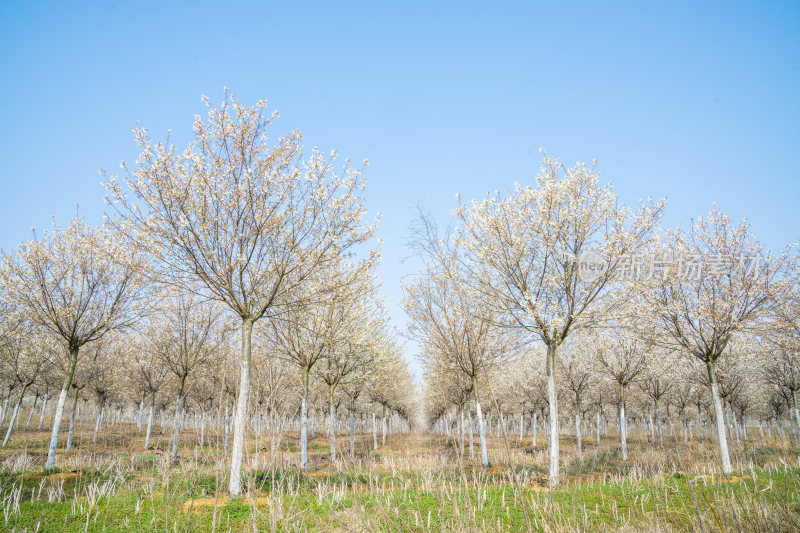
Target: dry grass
[415, 482]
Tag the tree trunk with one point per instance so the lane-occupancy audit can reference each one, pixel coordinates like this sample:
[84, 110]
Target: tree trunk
[383, 428]
[72, 421]
[33, 408]
[15, 415]
[100, 407]
[139, 416]
[460, 422]
[4, 408]
[578, 422]
[332, 416]
[304, 423]
[239, 426]
[150, 419]
[658, 425]
[176, 427]
[62, 400]
[598, 427]
[481, 430]
[623, 423]
[352, 433]
[225, 426]
[736, 425]
[533, 429]
[374, 432]
[720, 418]
[470, 430]
[796, 413]
[552, 398]
[44, 408]
[202, 427]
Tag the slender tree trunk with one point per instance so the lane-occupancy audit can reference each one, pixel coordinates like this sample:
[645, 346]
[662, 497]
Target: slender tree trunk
[598, 427]
[796, 413]
[658, 425]
[481, 430]
[62, 400]
[226, 425]
[623, 423]
[552, 398]
[352, 432]
[176, 426]
[460, 422]
[33, 408]
[720, 418]
[273, 422]
[14, 415]
[736, 425]
[4, 408]
[383, 428]
[202, 424]
[100, 407]
[332, 416]
[533, 429]
[374, 432]
[240, 424]
[71, 431]
[304, 422]
[578, 422]
[150, 419]
[44, 409]
[139, 416]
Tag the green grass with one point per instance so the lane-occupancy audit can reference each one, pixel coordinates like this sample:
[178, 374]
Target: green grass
[414, 483]
[666, 500]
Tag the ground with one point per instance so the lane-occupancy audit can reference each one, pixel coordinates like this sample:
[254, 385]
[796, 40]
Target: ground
[416, 482]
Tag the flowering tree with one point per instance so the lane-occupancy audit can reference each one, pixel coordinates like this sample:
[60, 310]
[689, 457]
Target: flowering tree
[717, 283]
[95, 364]
[305, 333]
[453, 326]
[20, 363]
[657, 380]
[78, 283]
[783, 336]
[355, 350]
[184, 335]
[524, 252]
[145, 373]
[250, 220]
[782, 371]
[577, 367]
[623, 357]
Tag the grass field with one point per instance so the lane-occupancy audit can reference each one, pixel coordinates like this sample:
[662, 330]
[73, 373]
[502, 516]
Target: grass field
[417, 482]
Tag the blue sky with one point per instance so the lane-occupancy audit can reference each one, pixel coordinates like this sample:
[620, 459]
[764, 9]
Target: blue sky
[695, 102]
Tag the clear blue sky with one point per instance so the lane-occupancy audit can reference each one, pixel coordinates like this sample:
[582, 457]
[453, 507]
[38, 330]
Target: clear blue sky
[697, 103]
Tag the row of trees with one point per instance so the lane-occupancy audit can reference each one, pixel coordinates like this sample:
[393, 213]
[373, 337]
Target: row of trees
[130, 377]
[234, 228]
[612, 385]
[564, 268]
